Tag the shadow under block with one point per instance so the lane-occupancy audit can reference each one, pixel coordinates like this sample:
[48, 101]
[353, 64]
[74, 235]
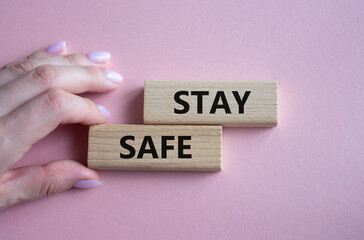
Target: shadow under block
[230, 104]
[155, 147]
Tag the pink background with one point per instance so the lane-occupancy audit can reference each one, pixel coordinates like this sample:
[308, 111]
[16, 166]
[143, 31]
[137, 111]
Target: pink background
[301, 180]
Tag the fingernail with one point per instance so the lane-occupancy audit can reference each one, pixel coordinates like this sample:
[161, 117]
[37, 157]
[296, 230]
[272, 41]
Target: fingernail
[56, 47]
[86, 183]
[103, 110]
[99, 56]
[113, 76]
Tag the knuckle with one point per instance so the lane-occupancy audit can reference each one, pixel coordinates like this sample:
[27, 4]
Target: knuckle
[48, 188]
[77, 59]
[23, 66]
[51, 185]
[56, 100]
[46, 75]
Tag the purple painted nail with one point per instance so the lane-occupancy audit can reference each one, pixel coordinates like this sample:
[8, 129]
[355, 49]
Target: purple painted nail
[86, 183]
[103, 110]
[56, 47]
[99, 56]
[113, 76]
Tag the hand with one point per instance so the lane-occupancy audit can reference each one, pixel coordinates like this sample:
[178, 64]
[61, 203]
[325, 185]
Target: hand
[37, 94]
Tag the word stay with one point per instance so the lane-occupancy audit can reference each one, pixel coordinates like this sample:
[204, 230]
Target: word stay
[230, 104]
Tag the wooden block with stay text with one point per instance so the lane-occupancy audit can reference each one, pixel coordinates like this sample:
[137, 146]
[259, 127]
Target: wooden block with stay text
[155, 147]
[230, 104]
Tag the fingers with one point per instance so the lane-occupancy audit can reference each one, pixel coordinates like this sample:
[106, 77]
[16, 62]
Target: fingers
[71, 79]
[38, 117]
[34, 182]
[53, 55]
[21, 66]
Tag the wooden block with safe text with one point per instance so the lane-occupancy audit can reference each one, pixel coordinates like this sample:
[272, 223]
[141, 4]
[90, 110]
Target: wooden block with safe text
[155, 147]
[230, 104]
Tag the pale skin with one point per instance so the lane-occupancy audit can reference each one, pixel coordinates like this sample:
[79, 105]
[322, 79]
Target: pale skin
[37, 93]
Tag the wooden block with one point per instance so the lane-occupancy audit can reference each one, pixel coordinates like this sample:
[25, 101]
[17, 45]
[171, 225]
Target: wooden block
[230, 104]
[155, 147]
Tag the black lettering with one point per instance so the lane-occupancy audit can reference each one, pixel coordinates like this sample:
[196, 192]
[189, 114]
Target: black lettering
[186, 106]
[165, 147]
[181, 147]
[240, 101]
[147, 140]
[127, 147]
[224, 105]
[199, 95]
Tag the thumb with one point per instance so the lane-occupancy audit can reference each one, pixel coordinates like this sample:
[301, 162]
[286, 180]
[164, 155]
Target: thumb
[34, 182]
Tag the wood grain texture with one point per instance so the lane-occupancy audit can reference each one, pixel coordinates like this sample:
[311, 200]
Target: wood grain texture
[260, 108]
[104, 147]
